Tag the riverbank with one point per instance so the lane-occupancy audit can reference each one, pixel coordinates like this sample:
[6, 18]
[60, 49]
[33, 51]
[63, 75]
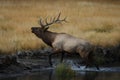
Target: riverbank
[102, 55]
[38, 59]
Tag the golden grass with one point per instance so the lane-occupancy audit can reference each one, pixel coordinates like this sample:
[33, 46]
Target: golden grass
[95, 21]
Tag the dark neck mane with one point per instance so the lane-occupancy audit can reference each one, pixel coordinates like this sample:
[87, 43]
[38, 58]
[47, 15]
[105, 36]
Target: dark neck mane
[48, 37]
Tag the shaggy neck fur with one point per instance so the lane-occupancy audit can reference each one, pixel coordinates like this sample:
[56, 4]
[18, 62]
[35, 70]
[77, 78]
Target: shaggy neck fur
[48, 37]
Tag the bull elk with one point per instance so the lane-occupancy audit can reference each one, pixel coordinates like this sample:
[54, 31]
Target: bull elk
[62, 42]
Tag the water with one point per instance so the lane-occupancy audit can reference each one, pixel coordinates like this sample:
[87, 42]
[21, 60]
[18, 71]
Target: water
[105, 73]
[81, 75]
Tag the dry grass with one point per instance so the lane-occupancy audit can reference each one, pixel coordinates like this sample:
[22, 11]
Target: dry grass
[95, 21]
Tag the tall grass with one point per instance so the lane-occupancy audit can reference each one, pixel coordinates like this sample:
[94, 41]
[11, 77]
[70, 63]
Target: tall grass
[94, 21]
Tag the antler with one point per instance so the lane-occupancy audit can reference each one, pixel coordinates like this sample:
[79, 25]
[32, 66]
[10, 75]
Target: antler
[52, 21]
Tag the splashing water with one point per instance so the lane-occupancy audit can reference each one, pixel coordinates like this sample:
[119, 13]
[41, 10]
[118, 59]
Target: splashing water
[77, 67]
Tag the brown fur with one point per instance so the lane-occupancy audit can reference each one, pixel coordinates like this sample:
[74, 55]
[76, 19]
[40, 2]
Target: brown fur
[47, 36]
[62, 42]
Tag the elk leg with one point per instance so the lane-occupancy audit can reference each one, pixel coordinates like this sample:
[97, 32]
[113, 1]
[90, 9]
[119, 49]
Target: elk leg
[50, 55]
[86, 66]
[97, 66]
[88, 62]
[50, 62]
[62, 56]
[92, 60]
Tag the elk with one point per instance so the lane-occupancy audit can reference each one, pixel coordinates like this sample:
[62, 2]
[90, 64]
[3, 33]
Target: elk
[62, 42]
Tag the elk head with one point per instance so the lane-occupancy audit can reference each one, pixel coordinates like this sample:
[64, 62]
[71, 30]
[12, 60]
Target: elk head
[39, 31]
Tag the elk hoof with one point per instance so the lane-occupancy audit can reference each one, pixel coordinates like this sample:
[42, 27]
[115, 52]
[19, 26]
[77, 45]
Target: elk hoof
[86, 66]
[97, 68]
[51, 65]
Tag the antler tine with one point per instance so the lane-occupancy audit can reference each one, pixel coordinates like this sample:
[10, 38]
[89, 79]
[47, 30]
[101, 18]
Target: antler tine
[53, 20]
[46, 21]
[50, 19]
[41, 24]
[58, 16]
[64, 19]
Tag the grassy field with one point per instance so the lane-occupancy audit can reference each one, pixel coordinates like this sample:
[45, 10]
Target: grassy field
[96, 21]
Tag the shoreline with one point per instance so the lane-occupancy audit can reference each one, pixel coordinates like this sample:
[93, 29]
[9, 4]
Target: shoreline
[111, 54]
[36, 60]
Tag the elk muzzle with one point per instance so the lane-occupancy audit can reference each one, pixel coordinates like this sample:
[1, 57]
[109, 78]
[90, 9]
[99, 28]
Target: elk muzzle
[34, 29]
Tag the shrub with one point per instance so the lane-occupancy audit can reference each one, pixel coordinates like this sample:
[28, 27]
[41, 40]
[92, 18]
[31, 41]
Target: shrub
[64, 72]
[105, 28]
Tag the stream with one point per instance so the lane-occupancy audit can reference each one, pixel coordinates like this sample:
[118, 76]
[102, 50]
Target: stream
[48, 73]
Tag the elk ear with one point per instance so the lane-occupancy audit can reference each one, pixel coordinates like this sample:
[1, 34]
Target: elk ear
[46, 29]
